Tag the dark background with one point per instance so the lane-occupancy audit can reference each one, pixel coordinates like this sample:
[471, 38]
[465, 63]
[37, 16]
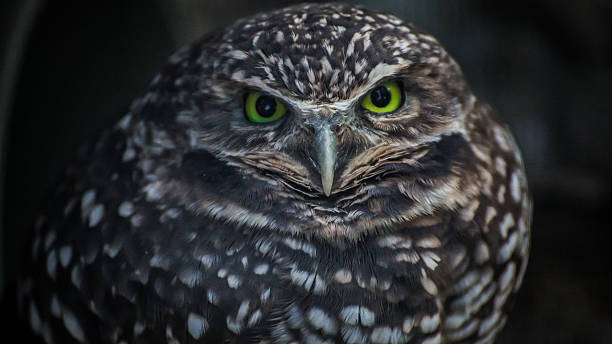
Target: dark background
[69, 69]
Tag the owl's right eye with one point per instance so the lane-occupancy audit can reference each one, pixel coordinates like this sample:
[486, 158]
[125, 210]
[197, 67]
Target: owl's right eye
[384, 99]
[260, 108]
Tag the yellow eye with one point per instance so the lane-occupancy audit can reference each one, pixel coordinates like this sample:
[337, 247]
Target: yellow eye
[384, 98]
[260, 108]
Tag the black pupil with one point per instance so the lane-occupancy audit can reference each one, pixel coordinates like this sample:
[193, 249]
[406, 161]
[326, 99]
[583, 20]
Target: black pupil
[265, 106]
[381, 96]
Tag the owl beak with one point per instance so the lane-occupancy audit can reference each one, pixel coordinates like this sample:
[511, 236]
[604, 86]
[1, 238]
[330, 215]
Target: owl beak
[326, 146]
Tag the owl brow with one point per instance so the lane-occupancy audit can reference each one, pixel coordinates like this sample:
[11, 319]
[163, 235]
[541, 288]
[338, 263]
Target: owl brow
[378, 75]
[255, 84]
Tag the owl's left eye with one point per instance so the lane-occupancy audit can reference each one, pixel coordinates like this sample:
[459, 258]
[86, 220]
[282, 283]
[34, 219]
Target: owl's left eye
[383, 99]
[261, 108]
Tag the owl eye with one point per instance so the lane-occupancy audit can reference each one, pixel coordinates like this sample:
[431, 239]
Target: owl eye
[383, 99]
[260, 108]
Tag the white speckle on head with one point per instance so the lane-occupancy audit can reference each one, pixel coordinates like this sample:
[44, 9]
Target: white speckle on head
[261, 269]
[96, 214]
[126, 209]
[343, 276]
[196, 325]
[52, 263]
[407, 325]
[321, 321]
[430, 323]
[65, 254]
[73, 326]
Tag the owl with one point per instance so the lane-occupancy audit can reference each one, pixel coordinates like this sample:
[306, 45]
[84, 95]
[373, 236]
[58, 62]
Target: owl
[315, 174]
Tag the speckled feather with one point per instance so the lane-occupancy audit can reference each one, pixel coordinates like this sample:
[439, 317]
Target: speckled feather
[187, 223]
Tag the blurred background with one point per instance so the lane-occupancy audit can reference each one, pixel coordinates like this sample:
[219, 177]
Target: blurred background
[70, 68]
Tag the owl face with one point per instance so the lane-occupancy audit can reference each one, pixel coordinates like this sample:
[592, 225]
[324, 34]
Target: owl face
[332, 123]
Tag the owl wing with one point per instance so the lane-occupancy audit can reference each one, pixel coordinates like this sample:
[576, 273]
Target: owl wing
[487, 266]
[113, 263]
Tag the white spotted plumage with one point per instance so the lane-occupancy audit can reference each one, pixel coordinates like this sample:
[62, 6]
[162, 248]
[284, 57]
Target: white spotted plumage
[185, 222]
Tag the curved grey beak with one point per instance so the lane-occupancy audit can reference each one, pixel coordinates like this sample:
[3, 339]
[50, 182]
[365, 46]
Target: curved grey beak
[326, 146]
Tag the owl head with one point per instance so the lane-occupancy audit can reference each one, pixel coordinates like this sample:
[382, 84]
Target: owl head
[321, 120]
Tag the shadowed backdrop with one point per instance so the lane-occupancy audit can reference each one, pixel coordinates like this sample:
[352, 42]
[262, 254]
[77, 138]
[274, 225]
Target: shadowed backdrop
[69, 69]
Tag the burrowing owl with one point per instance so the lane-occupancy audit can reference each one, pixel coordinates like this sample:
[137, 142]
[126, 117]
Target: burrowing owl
[316, 174]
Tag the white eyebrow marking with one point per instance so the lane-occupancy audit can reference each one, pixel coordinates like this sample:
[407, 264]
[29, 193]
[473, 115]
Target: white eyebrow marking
[380, 72]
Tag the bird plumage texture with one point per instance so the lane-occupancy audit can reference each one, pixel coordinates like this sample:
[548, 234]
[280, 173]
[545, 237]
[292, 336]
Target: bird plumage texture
[188, 222]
